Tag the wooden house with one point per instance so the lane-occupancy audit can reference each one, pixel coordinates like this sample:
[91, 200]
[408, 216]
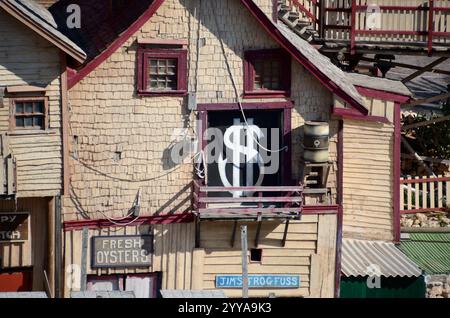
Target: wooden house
[166, 75]
[190, 118]
[33, 59]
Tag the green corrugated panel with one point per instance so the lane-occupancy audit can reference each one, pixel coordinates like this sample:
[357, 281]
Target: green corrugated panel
[430, 251]
[430, 237]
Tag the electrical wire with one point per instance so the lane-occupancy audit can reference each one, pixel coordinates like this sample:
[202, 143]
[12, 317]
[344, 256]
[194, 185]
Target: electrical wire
[233, 83]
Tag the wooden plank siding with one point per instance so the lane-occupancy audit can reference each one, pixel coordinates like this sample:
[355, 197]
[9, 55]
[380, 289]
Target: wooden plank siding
[173, 248]
[32, 253]
[368, 184]
[313, 236]
[28, 59]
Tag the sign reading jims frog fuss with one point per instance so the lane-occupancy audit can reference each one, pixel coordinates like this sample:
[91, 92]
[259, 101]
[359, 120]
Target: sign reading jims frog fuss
[122, 251]
[14, 227]
[259, 281]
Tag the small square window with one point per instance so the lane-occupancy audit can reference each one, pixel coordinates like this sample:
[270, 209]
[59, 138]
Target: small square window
[267, 73]
[162, 71]
[255, 255]
[29, 114]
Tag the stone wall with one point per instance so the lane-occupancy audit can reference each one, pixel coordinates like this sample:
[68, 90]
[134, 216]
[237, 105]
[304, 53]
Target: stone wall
[438, 286]
[433, 219]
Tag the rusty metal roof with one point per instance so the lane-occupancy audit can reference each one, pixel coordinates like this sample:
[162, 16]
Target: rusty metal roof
[375, 258]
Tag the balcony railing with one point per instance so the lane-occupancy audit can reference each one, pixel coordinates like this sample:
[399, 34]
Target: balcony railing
[261, 202]
[425, 23]
[429, 194]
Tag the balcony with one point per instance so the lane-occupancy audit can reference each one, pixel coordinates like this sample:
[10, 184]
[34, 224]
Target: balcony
[260, 202]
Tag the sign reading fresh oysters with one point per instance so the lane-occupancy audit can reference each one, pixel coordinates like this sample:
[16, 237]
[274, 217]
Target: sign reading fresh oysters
[122, 251]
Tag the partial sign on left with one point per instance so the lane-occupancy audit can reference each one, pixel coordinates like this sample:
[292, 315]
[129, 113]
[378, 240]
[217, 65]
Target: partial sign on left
[14, 227]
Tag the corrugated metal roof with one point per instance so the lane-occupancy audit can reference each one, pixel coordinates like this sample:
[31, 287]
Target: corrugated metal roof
[375, 258]
[430, 250]
[102, 294]
[171, 293]
[23, 295]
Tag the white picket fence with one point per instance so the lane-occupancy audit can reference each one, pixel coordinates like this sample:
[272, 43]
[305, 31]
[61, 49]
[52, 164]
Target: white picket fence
[424, 194]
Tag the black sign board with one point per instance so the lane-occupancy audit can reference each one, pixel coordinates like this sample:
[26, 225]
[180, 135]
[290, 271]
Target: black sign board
[122, 251]
[14, 226]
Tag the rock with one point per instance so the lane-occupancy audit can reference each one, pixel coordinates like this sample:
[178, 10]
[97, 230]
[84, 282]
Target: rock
[421, 217]
[434, 224]
[408, 223]
[436, 290]
[445, 220]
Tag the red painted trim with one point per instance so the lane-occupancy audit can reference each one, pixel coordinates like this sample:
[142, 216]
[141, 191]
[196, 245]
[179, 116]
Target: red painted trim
[383, 95]
[145, 54]
[430, 26]
[268, 25]
[414, 211]
[153, 219]
[235, 106]
[353, 28]
[320, 209]
[397, 171]
[340, 216]
[249, 73]
[421, 180]
[287, 141]
[354, 115]
[89, 67]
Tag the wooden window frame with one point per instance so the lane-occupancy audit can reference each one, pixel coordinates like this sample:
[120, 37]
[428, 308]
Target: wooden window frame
[249, 73]
[22, 99]
[143, 56]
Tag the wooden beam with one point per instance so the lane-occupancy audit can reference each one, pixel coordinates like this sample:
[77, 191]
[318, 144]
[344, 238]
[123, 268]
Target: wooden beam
[426, 122]
[403, 65]
[426, 100]
[424, 69]
[417, 157]
[283, 242]
[258, 230]
[428, 159]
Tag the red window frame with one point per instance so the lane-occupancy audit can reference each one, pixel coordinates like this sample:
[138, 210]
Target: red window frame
[144, 54]
[249, 73]
[24, 100]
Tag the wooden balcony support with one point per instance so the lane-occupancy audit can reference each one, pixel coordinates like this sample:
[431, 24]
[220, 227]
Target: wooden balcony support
[266, 202]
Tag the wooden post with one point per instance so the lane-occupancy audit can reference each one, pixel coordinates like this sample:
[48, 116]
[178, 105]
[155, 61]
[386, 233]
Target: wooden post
[430, 27]
[244, 261]
[353, 29]
[58, 249]
[84, 247]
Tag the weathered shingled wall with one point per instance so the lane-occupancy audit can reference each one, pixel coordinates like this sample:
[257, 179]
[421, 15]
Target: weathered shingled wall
[28, 59]
[107, 118]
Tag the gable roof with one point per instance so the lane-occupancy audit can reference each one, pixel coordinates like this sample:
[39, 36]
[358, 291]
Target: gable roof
[100, 37]
[322, 68]
[100, 26]
[39, 19]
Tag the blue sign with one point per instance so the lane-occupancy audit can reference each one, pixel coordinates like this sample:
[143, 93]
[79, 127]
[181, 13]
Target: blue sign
[259, 281]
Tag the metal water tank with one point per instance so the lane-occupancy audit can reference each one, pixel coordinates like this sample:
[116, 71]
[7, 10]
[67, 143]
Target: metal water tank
[316, 141]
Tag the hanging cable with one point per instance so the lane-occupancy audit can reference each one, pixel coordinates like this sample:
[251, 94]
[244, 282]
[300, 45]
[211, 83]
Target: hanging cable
[233, 83]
